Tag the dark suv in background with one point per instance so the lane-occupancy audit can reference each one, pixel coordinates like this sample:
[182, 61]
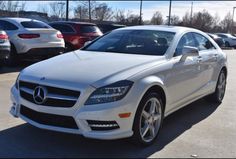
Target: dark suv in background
[76, 33]
[109, 27]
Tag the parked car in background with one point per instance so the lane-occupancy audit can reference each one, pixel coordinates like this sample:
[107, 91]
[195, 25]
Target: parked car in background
[4, 47]
[220, 41]
[230, 40]
[31, 39]
[123, 84]
[109, 27]
[76, 33]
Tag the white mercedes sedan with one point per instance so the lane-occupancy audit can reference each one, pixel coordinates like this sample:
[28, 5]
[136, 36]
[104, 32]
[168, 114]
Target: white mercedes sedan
[122, 84]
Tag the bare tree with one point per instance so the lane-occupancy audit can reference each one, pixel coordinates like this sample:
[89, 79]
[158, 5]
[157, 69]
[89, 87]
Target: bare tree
[103, 12]
[43, 8]
[157, 18]
[226, 23]
[11, 6]
[186, 20]
[88, 7]
[119, 16]
[81, 12]
[58, 9]
[174, 20]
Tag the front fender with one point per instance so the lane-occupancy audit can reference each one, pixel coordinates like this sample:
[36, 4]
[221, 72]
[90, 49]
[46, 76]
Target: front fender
[144, 84]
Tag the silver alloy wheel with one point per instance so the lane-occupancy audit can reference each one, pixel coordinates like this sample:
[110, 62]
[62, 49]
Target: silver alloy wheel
[150, 120]
[221, 86]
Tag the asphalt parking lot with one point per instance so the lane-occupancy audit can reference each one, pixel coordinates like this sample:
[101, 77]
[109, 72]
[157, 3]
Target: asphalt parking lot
[201, 129]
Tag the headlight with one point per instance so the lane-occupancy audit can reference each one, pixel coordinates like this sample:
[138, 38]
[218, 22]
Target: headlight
[110, 93]
[17, 81]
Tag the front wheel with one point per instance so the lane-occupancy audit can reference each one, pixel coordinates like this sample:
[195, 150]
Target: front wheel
[227, 44]
[148, 119]
[219, 93]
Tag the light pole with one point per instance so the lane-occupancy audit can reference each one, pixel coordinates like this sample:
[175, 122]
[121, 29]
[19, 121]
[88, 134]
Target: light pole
[191, 15]
[140, 16]
[89, 11]
[232, 25]
[169, 12]
[67, 10]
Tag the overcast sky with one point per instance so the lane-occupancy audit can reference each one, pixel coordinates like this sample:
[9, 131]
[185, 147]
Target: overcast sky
[149, 7]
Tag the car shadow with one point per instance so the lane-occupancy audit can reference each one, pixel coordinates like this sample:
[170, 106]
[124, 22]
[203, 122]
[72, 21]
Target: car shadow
[17, 68]
[27, 141]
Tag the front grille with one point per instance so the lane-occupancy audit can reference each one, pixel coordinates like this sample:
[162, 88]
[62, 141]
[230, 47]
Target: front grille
[56, 97]
[48, 119]
[102, 125]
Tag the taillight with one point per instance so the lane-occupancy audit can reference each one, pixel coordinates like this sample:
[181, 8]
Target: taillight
[29, 36]
[3, 37]
[59, 35]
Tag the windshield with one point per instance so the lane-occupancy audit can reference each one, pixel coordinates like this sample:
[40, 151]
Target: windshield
[144, 42]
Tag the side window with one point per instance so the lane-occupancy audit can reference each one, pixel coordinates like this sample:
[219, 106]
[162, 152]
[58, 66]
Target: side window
[203, 43]
[186, 40]
[5, 25]
[222, 36]
[63, 28]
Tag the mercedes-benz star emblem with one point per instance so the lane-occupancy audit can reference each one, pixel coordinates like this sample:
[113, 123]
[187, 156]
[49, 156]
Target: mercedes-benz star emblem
[40, 95]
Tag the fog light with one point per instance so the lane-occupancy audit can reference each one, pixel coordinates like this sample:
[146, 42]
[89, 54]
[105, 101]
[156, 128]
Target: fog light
[102, 125]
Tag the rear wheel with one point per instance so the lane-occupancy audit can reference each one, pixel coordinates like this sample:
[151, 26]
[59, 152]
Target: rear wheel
[12, 59]
[219, 93]
[68, 47]
[148, 119]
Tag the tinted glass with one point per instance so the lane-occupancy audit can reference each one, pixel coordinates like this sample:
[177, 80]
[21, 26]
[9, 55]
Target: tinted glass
[5, 25]
[63, 28]
[88, 29]
[203, 42]
[223, 36]
[144, 42]
[34, 24]
[186, 40]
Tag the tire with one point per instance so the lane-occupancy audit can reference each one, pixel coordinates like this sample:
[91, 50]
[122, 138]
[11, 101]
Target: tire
[227, 44]
[219, 93]
[12, 60]
[144, 122]
[68, 47]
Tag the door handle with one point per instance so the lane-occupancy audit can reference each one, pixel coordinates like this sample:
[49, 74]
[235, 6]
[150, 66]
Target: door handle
[215, 56]
[199, 59]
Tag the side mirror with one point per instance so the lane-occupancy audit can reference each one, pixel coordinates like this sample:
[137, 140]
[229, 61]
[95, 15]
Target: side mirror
[189, 51]
[87, 42]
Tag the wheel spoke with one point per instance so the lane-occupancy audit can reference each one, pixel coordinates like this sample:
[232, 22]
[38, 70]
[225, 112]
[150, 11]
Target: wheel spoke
[152, 130]
[145, 114]
[156, 117]
[152, 107]
[145, 130]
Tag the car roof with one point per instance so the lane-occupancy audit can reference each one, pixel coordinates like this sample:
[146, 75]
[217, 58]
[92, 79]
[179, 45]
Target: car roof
[160, 28]
[18, 19]
[72, 22]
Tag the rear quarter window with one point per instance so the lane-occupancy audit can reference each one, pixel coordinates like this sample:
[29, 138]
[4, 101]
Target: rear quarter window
[63, 28]
[34, 24]
[88, 29]
[5, 25]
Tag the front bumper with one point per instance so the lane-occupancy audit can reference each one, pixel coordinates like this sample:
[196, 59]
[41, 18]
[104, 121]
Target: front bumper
[81, 115]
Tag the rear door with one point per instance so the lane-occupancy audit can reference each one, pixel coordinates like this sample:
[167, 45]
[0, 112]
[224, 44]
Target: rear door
[209, 56]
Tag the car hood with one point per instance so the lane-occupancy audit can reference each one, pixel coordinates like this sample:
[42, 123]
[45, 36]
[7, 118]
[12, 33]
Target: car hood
[83, 68]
